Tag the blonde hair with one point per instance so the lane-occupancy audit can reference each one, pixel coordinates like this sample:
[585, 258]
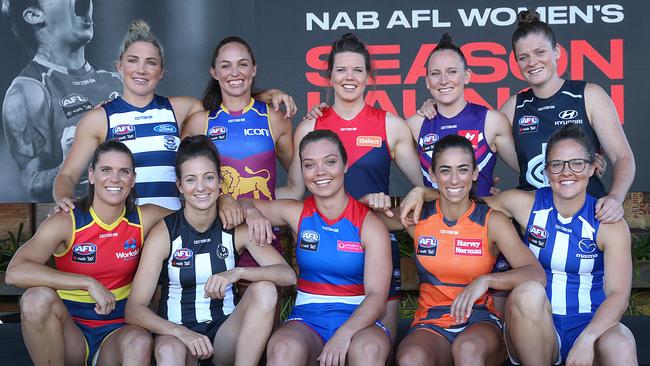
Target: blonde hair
[139, 31]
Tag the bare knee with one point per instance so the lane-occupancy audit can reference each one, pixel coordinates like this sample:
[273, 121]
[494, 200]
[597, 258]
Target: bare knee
[367, 352]
[412, 355]
[617, 346]
[136, 344]
[528, 298]
[467, 352]
[265, 295]
[283, 350]
[36, 304]
[171, 350]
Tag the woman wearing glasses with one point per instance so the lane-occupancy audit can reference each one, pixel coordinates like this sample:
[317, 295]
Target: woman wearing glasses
[587, 263]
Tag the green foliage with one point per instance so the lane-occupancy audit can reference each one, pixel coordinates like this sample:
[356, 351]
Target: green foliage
[640, 250]
[405, 244]
[407, 305]
[9, 246]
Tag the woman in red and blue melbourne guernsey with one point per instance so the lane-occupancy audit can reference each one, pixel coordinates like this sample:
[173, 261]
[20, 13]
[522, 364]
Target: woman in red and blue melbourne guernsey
[343, 257]
[74, 314]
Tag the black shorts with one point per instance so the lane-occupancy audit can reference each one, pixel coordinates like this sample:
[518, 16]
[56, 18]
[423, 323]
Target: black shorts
[395, 289]
[208, 329]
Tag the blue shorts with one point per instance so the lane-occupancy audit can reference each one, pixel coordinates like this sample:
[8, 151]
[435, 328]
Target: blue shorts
[325, 319]
[568, 328]
[454, 331]
[395, 289]
[95, 337]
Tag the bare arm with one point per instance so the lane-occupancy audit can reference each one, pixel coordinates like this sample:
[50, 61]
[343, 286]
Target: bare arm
[195, 125]
[295, 187]
[415, 124]
[403, 149]
[275, 97]
[607, 126]
[508, 108]
[184, 107]
[513, 203]
[498, 132]
[283, 135]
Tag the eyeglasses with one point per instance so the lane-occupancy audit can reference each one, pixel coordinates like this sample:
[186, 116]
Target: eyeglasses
[576, 165]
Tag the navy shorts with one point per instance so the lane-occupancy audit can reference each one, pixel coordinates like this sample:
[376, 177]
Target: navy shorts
[454, 331]
[395, 289]
[208, 329]
[95, 337]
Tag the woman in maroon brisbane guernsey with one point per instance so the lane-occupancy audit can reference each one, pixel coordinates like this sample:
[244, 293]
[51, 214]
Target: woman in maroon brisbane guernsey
[74, 314]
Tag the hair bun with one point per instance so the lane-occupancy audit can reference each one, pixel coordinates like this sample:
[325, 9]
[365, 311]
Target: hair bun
[6, 7]
[349, 37]
[445, 39]
[139, 26]
[527, 17]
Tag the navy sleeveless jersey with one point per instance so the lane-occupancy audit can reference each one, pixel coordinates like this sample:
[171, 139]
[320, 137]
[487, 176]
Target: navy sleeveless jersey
[193, 257]
[152, 135]
[536, 119]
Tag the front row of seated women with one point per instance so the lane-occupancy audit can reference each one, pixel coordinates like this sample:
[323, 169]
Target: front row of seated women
[563, 308]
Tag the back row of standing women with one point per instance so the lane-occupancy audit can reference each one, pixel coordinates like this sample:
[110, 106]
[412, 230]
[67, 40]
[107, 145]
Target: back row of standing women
[249, 134]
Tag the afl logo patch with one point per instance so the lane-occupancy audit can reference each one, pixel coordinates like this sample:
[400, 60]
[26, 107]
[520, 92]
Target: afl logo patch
[123, 132]
[182, 258]
[166, 128]
[568, 114]
[74, 104]
[537, 236]
[430, 139]
[218, 133]
[222, 252]
[309, 240]
[170, 142]
[427, 245]
[84, 253]
[528, 124]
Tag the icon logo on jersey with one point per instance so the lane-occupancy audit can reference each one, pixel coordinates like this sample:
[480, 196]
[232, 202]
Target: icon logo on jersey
[568, 114]
[182, 258]
[170, 142]
[474, 136]
[528, 124]
[369, 141]
[537, 236]
[427, 245]
[84, 253]
[123, 132]
[222, 252]
[349, 246]
[166, 128]
[429, 141]
[257, 132]
[74, 104]
[218, 133]
[471, 247]
[309, 240]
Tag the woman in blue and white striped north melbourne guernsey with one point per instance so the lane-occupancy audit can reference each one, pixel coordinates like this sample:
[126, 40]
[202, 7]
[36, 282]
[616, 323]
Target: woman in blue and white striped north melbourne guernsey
[576, 318]
[199, 315]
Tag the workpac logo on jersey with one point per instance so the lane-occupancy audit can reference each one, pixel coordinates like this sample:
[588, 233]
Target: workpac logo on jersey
[537, 236]
[84, 253]
[218, 133]
[349, 246]
[123, 132]
[309, 240]
[429, 141]
[170, 142]
[369, 141]
[587, 247]
[528, 124]
[166, 128]
[74, 104]
[470, 247]
[427, 245]
[131, 250]
[183, 258]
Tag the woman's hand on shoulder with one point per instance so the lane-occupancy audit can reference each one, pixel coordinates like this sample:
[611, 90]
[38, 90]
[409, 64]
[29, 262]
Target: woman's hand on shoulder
[316, 111]
[609, 210]
[379, 202]
[428, 109]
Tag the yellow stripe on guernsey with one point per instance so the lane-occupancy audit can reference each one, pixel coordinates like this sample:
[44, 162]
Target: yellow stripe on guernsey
[84, 296]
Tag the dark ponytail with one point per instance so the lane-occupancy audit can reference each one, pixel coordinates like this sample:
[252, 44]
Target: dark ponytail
[445, 44]
[528, 22]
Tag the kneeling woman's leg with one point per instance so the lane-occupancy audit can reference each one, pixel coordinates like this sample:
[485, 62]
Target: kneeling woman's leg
[294, 343]
[244, 334]
[616, 347]
[129, 345]
[424, 347]
[169, 351]
[371, 346]
[50, 334]
[479, 344]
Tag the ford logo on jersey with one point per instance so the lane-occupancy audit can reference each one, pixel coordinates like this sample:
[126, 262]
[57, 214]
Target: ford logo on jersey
[430, 139]
[166, 128]
[85, 248]
[218, 133]
[537, 236]
[123, 130]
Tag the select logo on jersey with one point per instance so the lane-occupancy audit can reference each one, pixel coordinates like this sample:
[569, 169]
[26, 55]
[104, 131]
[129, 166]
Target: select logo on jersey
[257, 132]
[568, 114]
[222, 251]
[74, 104]
[309, 240]
[84, 253]
[470, 247]
[537, 236]
[473, 136]
[528, 124]
[349, 246]
[131, 250]
[182, 258]
[218, 133]
[369, 141]
[166, 128]
[427, 245]
[123, 132]
[429, 141]
[170, 143]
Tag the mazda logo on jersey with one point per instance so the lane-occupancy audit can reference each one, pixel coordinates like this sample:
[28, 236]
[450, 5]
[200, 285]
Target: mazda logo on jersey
[587, 246]
[182, 258]
[218, 133]
[568, 114]
[537, 236]
[84, 253]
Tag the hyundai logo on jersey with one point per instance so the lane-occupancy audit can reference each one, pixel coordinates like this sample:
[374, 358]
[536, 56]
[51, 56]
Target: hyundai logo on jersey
[537, 236]
[528, 124]
[427, 245]
[182, 258]
[568, 114]
[218, 133]
[124, 132]
[84, 253]
[309, 240]
[166, 128]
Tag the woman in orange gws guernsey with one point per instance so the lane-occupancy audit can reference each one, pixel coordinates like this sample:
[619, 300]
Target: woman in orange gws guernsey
[74, 314]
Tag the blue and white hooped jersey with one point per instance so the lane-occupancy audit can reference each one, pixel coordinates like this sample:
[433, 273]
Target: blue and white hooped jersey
[567, 250]
[153, 136]
[330, 255]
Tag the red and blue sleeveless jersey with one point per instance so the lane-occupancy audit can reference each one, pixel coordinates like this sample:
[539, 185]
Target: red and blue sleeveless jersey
[330, 255]
[247, 150]
[108, 253]
[469, 123]
[364, 139]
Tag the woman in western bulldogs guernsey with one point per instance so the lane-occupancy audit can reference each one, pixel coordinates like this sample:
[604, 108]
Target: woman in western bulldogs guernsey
[74, 314]
[344, 261]
[199, 315]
